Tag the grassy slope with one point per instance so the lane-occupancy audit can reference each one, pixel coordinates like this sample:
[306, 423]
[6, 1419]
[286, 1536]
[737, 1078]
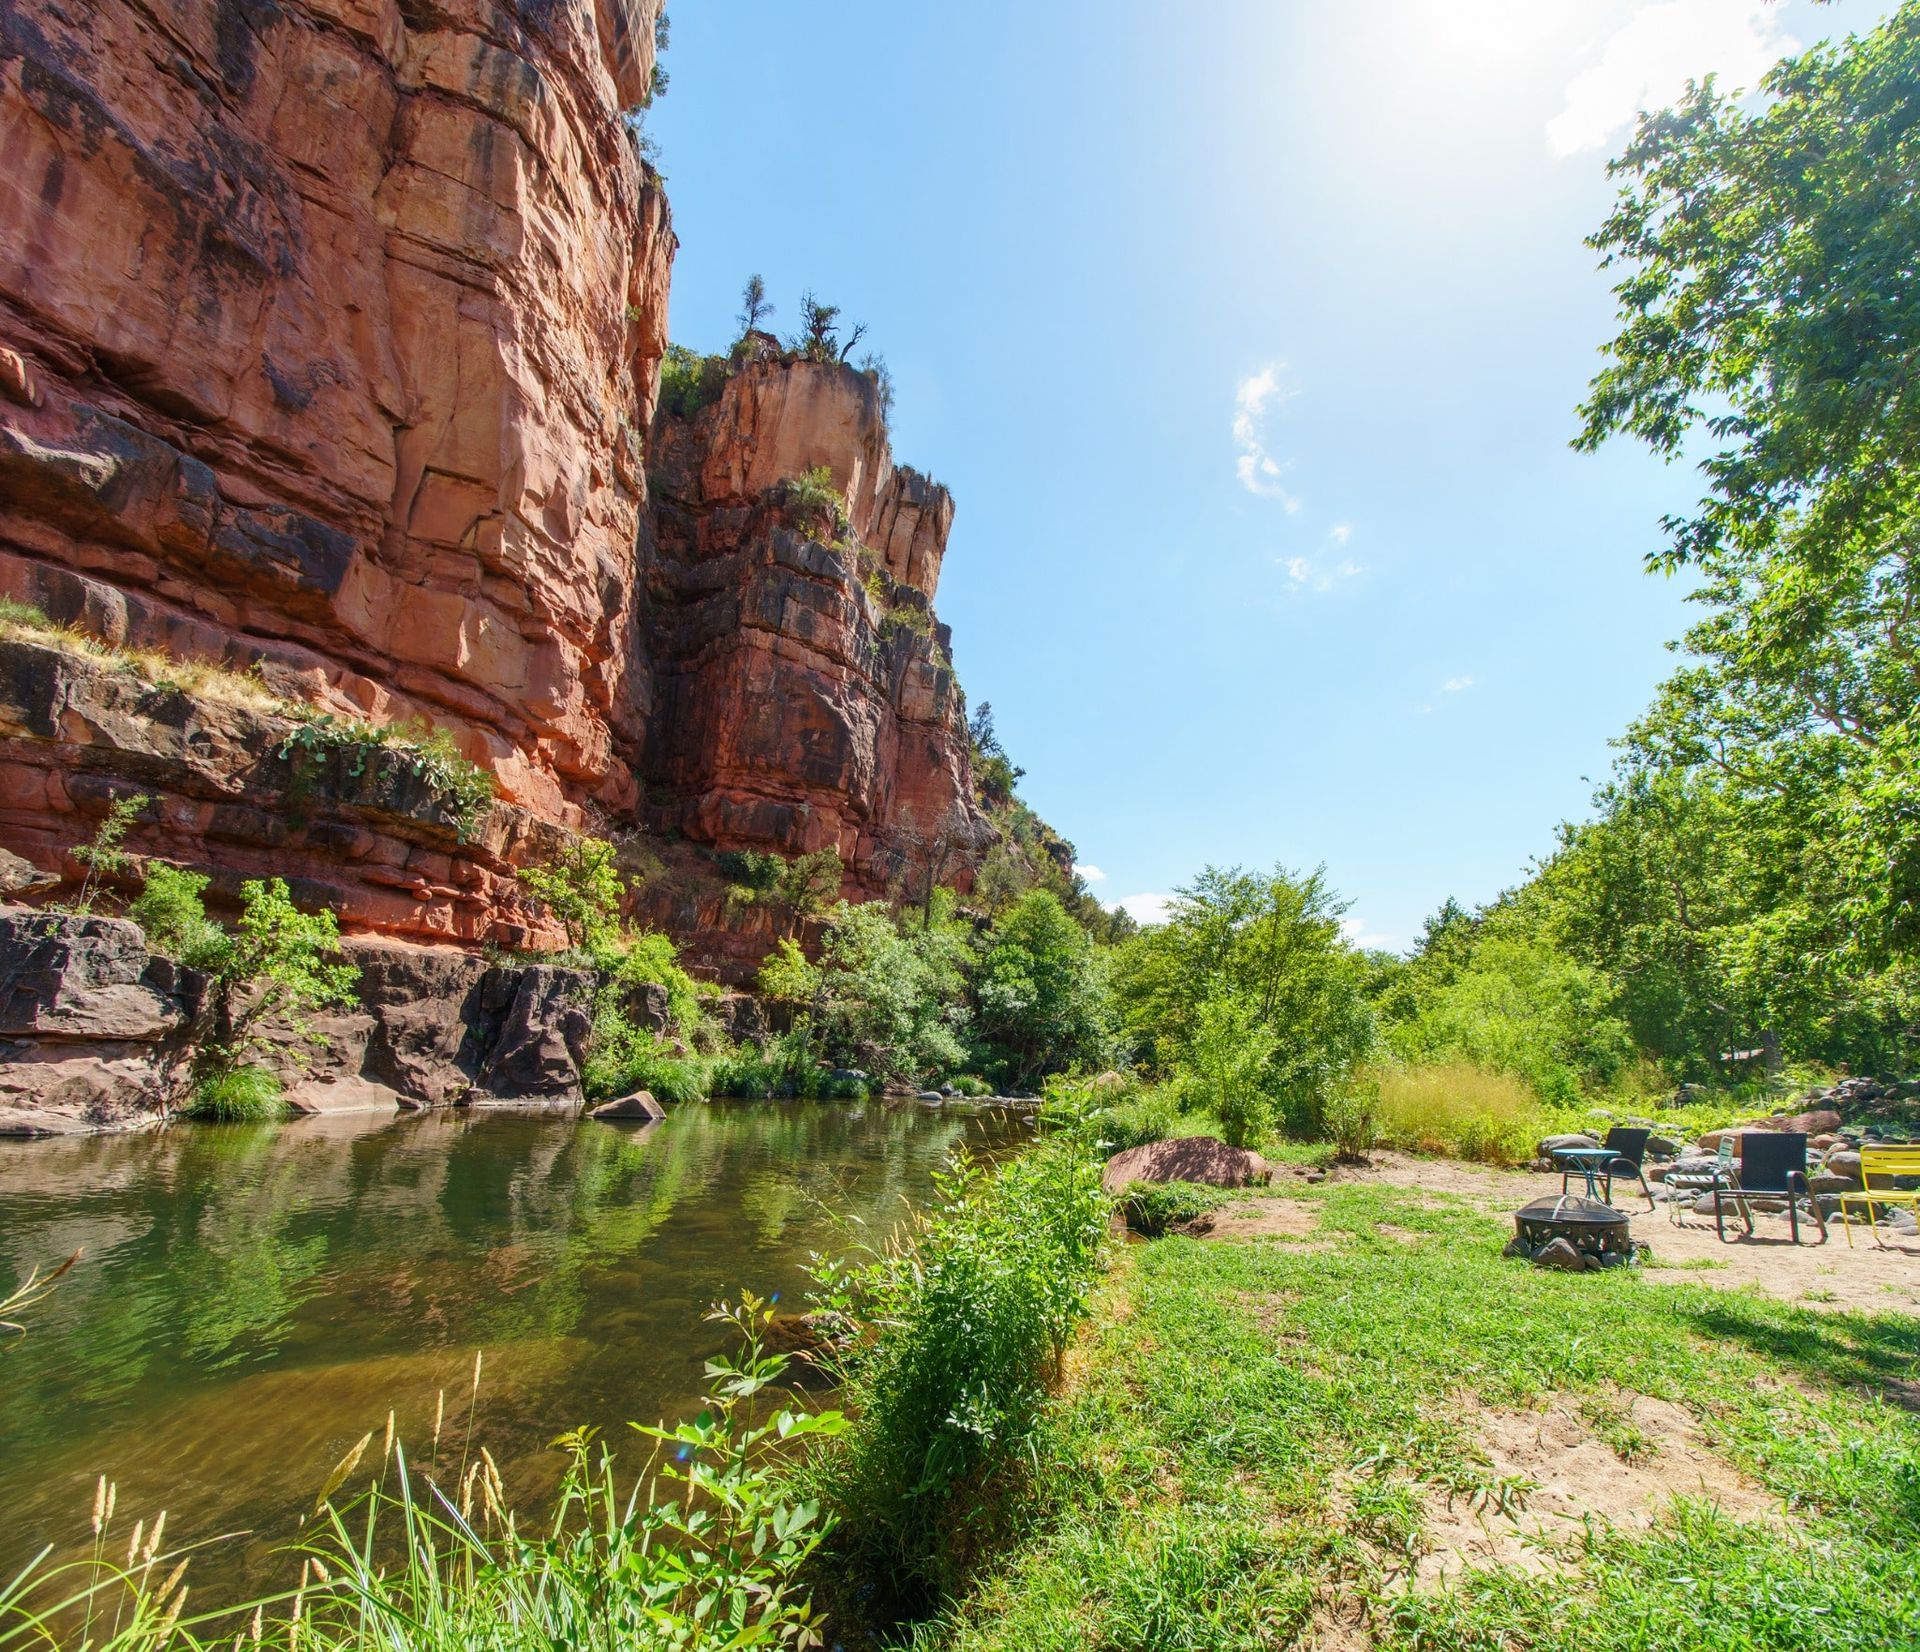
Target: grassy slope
[1254, 1424]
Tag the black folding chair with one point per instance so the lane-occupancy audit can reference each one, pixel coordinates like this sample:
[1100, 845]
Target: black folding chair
[1773, 1165]
[1629, 1159]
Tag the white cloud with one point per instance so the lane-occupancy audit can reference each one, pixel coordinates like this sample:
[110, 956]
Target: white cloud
[1456, 685]
[1092, 874]
[1258, 470]
[1323, 572]
[1647, 61]
[1358, 932]
[1144, 909]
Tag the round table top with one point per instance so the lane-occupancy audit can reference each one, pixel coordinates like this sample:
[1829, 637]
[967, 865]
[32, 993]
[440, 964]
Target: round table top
[1583, 1152]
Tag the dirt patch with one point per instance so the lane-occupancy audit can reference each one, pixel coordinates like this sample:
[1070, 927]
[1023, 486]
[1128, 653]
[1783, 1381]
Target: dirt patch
[1405, 1236]
[1554, 1475]
[1259, 1219]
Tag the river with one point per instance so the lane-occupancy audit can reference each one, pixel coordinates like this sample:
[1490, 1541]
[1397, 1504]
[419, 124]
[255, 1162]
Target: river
[252, 1299]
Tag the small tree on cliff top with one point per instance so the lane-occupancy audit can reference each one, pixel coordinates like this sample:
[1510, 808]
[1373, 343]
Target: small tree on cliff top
[754, 307]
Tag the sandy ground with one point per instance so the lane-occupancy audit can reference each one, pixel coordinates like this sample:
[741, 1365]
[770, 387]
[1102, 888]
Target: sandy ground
[1870, 1276]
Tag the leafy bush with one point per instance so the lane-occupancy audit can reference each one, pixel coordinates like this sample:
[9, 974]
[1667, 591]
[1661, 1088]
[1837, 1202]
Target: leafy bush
[271, 971]
[240, 1095]
[464, 789]
[1353, 1120]
[582, 887]
[887, 995]
[951, 1335]
[815, 493]
[750, 869]
[622, 1058]
[690, 381]
[966, 1084]
[1040, 993]
[170, 909]
[1153, 1207]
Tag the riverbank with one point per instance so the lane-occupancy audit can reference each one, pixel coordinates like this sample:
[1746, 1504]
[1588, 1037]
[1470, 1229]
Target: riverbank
[1347, 1422]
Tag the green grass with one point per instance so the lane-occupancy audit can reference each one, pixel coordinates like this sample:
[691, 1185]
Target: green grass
[1256, 1426]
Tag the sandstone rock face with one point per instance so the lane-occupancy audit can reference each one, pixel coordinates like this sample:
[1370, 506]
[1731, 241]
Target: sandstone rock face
[328, 333]
[330, 343]
[95, 1031]
[92, 1028]
[793, 710]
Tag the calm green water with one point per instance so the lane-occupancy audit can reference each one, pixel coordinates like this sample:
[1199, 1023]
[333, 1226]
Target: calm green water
[252, 1300]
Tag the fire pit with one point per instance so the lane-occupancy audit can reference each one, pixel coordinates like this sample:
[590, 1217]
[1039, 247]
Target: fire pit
[1568, 1231]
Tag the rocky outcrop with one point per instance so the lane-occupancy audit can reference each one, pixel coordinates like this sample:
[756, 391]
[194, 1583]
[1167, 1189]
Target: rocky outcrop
[92, 1027]
[330, 344]
[329, 331]
[805, 695]
[95, 1031]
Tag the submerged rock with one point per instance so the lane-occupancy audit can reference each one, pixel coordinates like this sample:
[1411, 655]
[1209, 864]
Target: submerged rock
[640, 1107]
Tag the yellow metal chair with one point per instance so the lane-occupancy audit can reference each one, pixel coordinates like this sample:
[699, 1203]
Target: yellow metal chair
[1884, 1162]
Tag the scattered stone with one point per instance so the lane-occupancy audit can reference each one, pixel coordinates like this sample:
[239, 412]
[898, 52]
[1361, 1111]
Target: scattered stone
[932, 1097]
[1561, 1255]
[1552, 1144]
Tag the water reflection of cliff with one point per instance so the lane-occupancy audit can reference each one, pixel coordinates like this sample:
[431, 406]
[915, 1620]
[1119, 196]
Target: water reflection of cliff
[251, 1300]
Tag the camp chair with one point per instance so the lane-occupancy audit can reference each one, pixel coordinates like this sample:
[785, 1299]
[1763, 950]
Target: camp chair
[1773, 1165]
[1703, 1181]
[1888, 1162]
[1629, 1157]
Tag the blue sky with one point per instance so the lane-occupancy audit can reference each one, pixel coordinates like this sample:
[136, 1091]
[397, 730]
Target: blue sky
[1248, 335]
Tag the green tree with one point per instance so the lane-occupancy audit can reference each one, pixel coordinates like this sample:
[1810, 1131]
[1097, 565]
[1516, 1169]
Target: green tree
[1040, 993]
[582, 887]
[270, 972]
[105, 852]
[1268, 948]
[754, 307]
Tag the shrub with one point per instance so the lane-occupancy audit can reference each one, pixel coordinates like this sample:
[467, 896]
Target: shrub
[966, 1084]
[622, 1058]
[173, 915]
[750, 869]
[814, 493]
[690, 381]
[1352, 1117]
[950, 1337]
[271, 971]
[103, 853]
[582, 887]
[1153, 1207]
[240, 1095]
[1459, 1109]
[464, 789]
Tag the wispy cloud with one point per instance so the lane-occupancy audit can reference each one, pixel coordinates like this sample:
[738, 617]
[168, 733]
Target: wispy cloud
[1456, 685]
[1647, 61]
[1358, 932]
[1258, 470]
[1144, 909]
[1092, 874]
[1325, 569]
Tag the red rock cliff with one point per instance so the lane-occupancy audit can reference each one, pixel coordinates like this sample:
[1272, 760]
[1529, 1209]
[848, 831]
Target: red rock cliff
[330, 338]
[330, 330]
[806, 695]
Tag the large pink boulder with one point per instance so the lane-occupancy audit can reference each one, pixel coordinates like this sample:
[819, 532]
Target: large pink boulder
[1203, 1159]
